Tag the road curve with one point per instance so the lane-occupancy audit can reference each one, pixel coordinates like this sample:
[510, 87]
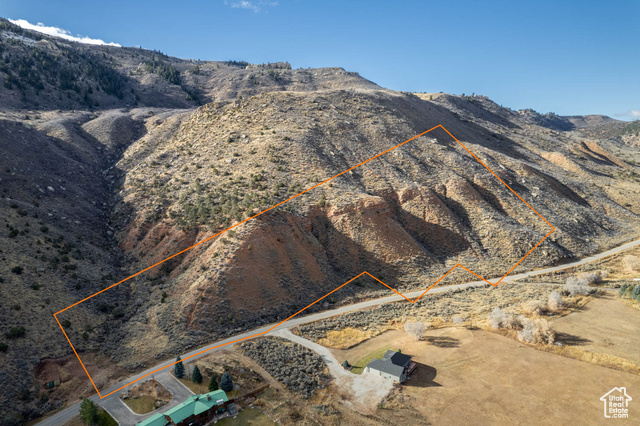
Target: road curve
[68, 413]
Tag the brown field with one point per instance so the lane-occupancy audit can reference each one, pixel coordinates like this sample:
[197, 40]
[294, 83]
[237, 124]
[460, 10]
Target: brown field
[478, 377]
[605, 325]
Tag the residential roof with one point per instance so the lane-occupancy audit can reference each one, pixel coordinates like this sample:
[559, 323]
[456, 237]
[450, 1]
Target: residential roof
[386, 367]
[397, 358]
[155, 420]
[193, 405]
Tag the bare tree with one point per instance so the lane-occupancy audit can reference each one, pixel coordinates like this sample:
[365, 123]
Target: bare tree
[500, 319]
[415, 329]
[577, 285]
[555, 301]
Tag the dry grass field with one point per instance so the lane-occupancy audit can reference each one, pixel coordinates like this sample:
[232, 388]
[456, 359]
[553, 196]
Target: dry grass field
[606, 325]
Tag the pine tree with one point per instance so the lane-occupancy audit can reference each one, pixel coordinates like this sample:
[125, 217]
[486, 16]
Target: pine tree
[89, 412]
[213, 383]
[226, 384]
[178, 370]
[196, 376]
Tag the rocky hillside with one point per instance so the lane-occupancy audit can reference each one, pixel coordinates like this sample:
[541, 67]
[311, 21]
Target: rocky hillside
[42, 72]
[406, 217]
[109, 164]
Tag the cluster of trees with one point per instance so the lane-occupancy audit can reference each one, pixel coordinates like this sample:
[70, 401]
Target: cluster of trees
[71, 70]
[632, 128]
[241, 64]
[172, 75]
[630, 290]
[528, 330]
[226, 383]
[164, 70]
[579, 285]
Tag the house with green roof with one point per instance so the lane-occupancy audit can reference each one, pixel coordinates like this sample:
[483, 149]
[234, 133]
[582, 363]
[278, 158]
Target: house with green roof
[197, 409]
[155, 420]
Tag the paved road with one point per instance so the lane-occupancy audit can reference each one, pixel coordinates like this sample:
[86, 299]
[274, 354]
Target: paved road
[67, 414]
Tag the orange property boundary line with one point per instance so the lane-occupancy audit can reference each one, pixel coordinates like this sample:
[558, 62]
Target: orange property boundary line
[336, 289]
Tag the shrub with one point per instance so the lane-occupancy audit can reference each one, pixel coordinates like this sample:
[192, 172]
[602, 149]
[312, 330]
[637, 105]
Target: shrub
[555, 301]
[631, 263]
[536, 331]
[17, 270]
[577, 285]
[635, 293]
[590, 277]
[15, 332]
[500, 319]
[3, 347]
[625, 290]
[415, 329]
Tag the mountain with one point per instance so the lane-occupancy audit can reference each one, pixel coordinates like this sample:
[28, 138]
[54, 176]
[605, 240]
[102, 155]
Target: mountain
[114, 158]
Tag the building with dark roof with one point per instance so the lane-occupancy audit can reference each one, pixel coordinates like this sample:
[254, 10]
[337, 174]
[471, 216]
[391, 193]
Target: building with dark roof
[393, 365]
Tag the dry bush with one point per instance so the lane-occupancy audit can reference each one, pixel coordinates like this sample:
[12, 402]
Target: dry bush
[457, 320]
[415, 329]
[631, 263]
[536, 331]
[500, 319]
[555, 301]
[577, 285]
[590, 277]
[534, 307]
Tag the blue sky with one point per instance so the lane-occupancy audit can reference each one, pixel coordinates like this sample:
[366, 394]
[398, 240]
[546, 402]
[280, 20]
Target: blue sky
[569, 57]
